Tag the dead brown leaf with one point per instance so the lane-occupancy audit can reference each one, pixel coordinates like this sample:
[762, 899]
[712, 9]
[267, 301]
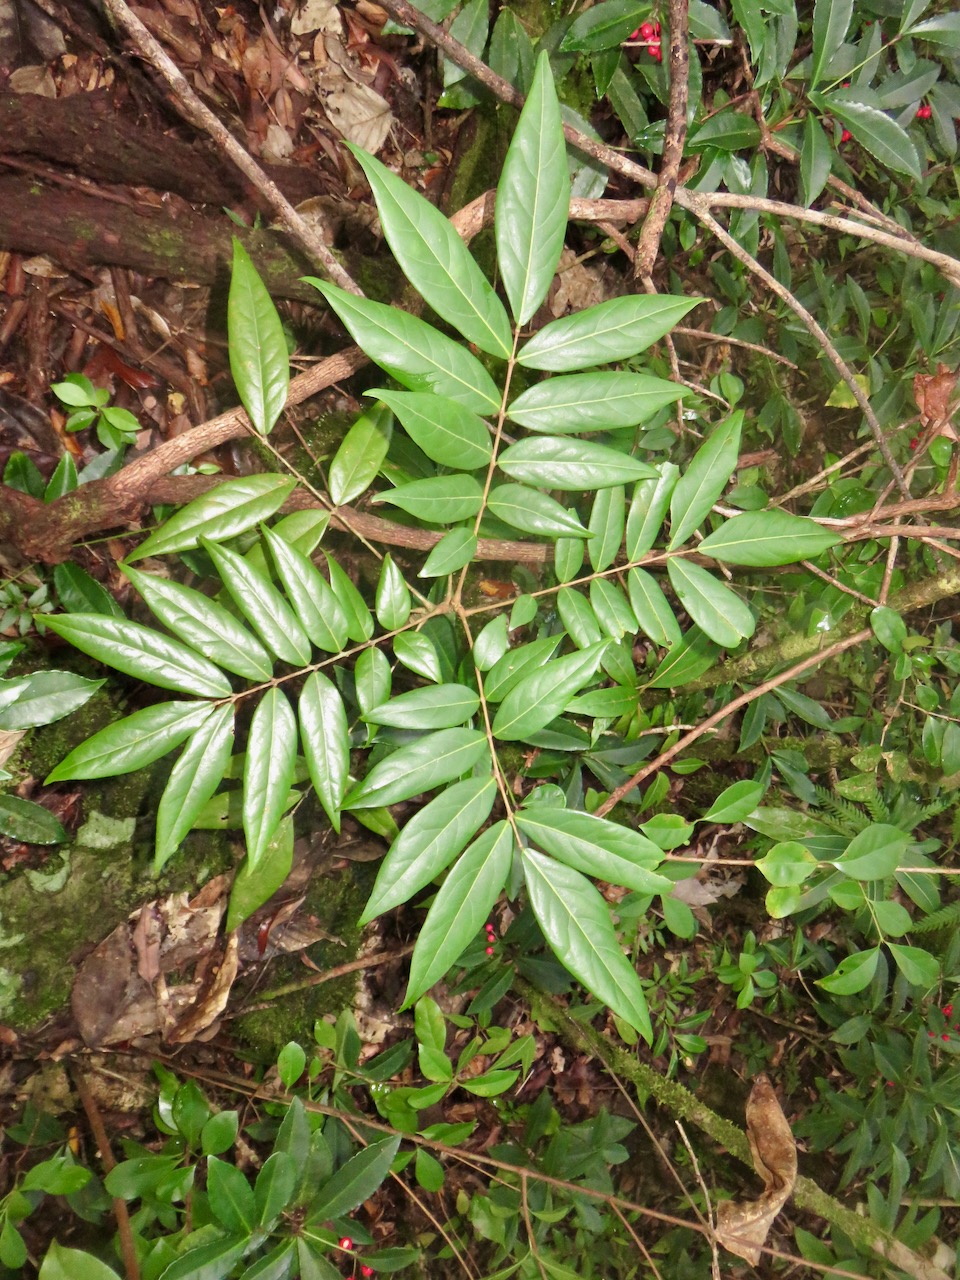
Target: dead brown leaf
[743, 1225]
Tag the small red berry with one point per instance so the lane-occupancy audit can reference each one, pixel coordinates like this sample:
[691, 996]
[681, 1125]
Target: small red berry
[889, 1084]
[845, 85]
[656, 28]
[947, 1010]
[365, 1270]
[634, 35]
[914, 443]
[945, 1036]
[846, 135]
[346, 1242]
[646, 30]
[931, 1034]
[490, 951]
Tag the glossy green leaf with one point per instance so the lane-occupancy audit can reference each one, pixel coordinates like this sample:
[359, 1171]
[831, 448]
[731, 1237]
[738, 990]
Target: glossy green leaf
[610, 331]
[193, 780]
[542, 695]
[579, 620]
[611, 609]
[219, 1133]
[447, 432]
[268, 771]
[919, 967]
[46, 696]
[512, 666]
[596, 847]
[420, 357]
[278, 1263]
[943, 28]
[435, 707]
[372, 678]
[203, 624]
[318, 610]
[816, 159]
[874, 853]
[606, 525]
[133, 742]
[420, 766]
[651, 499]
[787, 863]
[533, 198]
[491, 644]
[763, 538]
[584, 402]
[688, 658]
[454, 550]
[358, 617]
[438, 499]
[436, 261]
[889, 628]
[275, 1186]
[831, 20]
[262, 604]
[533, 512]
[460, 908]
[29, 822]
[736, 802]
[141, 652]
[79, 593]
[13, 1248]
[717, 611]
[605, 26]
[354, 1181]
[63, 480]
[653, 612]
[725, 130]
[418, 653]
[852, 974]
[704, 480]
[259, 360]
[876, 132]
[62, 1263]
[230, 1195]
[229, 509]
[429, 842]
[569, 464]
[393, 602]
[361, 454]
[325, 735]
[576, 922]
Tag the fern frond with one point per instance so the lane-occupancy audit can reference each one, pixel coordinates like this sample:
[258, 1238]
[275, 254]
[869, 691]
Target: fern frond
[946, 917]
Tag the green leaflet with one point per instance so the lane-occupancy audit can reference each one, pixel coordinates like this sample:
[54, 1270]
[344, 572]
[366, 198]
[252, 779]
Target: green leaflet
[612, 610]
[435, 707]
[268, 771]
[460, 907]
[717, 611]
[393, 602]
[141, 652]
[541, 696]
[258, 600]
[533, 512]
[447, 432]
[44, 697]
[325, 735]
[133, 742]
[319, 611]
[533, 198]
[193, 780]
[436, 261]
[704, 480]
[429, 842]
[438, 499]
[605, 26]
[873, 129]
[687, 659]
[358, 617]
[761, 538]
[79, 593]
[203, 624]
[354, 1181]
[231, 508]
[607, 516]
[420, 357]
[649, 504]
[259, 360]
[585, 402]
[360, 456]
[569, 464]
[576, 922]
[507, 672]
[831, 19]
[579, 620]
[596, 847]
[454, 550]
[430, 762]
[253, 885]
[29, 822]
[610, 331]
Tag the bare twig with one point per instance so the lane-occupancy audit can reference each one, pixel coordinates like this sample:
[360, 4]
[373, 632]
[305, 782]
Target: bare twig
[128, 1249]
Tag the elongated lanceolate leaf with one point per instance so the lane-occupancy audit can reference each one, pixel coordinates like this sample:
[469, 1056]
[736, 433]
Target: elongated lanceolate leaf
[433, 760]
[79, 593]
[393, 603]
[29, 822]
[429, 842]
[507, 672]
[651, 499]
[436, 261]
[259, 360]
[354, 1182]
[761, 538]
[454, 550]
[607, 521]
[576, 922]
[586, 402]
[879, 133]
[193, 780]
[231, 508]
[438, 499]
[354, 607]
[610, 331]
[612, 610]
[268, 771]
[325, 735]
[831, 18]
[541, 696]
[204, 625]
[360, 455]
[420, 357]
[816, 159]
[689, 658]
[596, 847]
[262, 604]
[704, 480]
[533, 512]
[533, 198]
[579, 620]
[253, 885]
[652, 608]
[605, 26]
[717, 611]
[317, 608]
[44, 697]
[460, 908]
[447, 432]
[140, 652]
[435, 707]
[569, 464]
[133, 742]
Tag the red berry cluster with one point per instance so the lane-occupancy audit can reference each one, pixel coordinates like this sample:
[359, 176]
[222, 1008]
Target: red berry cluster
[347, 1245]
[924, 112]
[491, 937]
[650, 33]
[947, 1012]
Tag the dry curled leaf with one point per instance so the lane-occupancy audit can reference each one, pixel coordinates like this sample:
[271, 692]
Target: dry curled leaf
[932, 393]
[743, 1225]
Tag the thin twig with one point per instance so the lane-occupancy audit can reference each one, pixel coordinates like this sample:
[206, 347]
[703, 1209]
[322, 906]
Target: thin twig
[128, 1249]
[328, 975]
[674, 137]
